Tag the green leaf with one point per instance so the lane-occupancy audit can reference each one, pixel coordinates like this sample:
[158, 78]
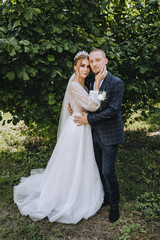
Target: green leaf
[28, 15]
[50, 58]
[111, 55]
[51, 95]
[103, 40]
[51, 98]
[74, 49]
[10, 75]
[80, 44]
[69, 64]
[130, 87]
[2, 29]
[38, 30]
[24, 23]
[25, 102]
[158, 59]
[25, 76]
[60, 50]
[13, 52]
[53, 74]
[26, 49]
[34, 105]
[17, 23]
[59, 73]
[37, 10]
[11, 95]
[66, 47]
[90, 14]
[92, 36]
[35, 49]
[24, 42]
[17, 48]
[3, 43]
[51, 101]
[60, 16]
[144, 69]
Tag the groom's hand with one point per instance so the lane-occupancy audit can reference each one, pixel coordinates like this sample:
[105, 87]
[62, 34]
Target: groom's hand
[81, 120]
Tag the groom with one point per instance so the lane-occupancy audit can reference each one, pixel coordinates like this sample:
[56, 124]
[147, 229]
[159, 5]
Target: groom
[107, 130]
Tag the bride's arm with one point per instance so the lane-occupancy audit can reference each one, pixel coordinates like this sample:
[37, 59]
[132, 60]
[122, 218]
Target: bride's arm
[88, 101]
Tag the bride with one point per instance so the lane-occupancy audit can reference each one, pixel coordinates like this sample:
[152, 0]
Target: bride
[70, 188]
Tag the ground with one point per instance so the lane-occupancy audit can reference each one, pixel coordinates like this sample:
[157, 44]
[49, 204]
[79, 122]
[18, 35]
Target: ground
[138, 171]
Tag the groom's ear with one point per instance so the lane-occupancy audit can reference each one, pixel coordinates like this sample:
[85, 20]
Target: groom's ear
[106, 61]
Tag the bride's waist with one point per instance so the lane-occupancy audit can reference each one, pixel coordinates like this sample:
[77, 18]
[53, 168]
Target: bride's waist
[76, 114]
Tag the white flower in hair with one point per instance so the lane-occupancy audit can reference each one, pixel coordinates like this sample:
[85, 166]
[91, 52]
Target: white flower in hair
[81, 53]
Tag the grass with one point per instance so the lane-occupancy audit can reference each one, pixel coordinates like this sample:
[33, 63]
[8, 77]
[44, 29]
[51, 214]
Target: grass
[138, 170]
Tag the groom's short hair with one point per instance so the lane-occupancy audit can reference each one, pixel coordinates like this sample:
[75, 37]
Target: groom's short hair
[99, 50]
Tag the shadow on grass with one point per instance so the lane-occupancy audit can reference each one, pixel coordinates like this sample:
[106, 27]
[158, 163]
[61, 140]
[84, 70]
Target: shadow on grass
[138, 164]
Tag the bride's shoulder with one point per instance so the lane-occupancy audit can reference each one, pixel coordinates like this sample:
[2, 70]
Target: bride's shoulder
[77, 87]
[74, 84]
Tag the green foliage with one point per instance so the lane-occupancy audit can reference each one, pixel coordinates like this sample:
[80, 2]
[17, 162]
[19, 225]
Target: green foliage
[128, 229]
[38, 41]
[136, 29]
[145, 120]
[149, 204]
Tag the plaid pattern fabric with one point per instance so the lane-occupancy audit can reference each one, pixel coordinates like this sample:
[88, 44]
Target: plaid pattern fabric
[107, 120]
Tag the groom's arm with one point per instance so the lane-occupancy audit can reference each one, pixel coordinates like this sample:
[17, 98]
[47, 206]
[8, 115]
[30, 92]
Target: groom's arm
[113, 108]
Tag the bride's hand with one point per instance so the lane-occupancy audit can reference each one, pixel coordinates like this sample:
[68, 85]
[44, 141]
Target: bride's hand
[70, 110]
[101, 75]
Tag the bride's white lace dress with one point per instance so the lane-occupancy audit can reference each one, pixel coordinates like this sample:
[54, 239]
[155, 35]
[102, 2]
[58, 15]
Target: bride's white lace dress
[70, 188]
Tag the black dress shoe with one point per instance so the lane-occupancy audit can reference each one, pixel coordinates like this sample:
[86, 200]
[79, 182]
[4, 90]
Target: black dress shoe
[114, 214]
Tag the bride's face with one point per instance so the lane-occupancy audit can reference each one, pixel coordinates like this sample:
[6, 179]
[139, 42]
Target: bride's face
[82, 68]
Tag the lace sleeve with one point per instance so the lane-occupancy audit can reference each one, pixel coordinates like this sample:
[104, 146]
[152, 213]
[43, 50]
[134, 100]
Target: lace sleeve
[88, 101]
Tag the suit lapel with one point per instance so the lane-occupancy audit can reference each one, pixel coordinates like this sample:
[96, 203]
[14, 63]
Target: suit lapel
[105, 82]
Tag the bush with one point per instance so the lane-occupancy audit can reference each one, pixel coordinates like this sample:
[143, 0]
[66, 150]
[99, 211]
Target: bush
[38, 42]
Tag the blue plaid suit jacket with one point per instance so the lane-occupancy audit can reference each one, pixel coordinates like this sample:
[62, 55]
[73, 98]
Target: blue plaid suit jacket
[107, 120]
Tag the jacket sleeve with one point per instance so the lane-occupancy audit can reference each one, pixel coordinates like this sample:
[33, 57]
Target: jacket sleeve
[113, 108]
[88, 101]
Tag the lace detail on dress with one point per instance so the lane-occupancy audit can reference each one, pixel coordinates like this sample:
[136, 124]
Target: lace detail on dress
[81, 100]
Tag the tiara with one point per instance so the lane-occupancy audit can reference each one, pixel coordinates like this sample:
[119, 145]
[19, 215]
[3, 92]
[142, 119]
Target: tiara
[81, 53]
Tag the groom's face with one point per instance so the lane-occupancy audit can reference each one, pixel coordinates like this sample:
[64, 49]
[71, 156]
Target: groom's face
[97, 61]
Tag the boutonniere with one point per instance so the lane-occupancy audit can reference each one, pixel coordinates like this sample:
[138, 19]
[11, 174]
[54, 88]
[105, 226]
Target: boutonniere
[101, 95]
